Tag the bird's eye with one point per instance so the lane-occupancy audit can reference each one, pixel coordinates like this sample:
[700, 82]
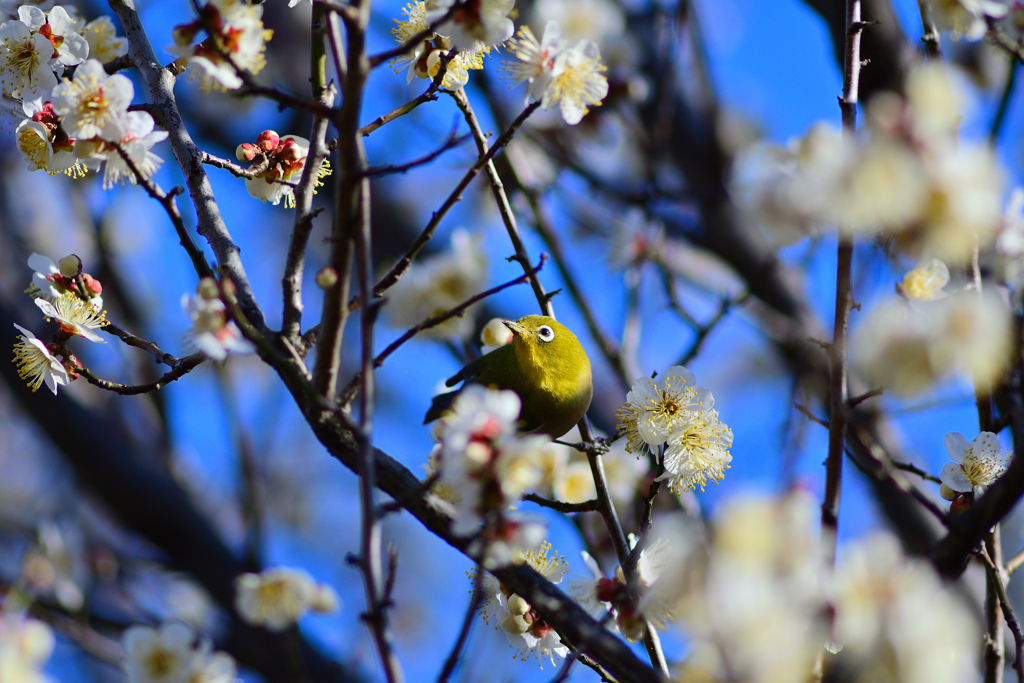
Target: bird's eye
[545, 333]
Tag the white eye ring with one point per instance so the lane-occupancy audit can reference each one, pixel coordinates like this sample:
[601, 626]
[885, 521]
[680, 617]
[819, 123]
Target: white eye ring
[545, 333]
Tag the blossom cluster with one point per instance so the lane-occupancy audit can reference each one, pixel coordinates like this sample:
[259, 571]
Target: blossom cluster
[483, 467]
[77, 124]
[970, 18]
[893, 620]
[676, 413]
[277, 164]
[461, 35]
[909, 179]
[235, 44]
[908, 348]
[56, 292]
[523, 626]
[278, 597]
[171, 653]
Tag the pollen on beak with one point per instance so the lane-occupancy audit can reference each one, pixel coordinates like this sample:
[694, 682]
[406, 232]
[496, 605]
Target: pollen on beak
[515, 327]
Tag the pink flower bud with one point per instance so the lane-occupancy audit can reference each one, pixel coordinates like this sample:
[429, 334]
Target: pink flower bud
[246, 151]
[92, 285]
[268, 140]
[326, 277]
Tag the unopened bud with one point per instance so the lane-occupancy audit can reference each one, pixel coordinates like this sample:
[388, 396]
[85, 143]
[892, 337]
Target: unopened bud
[325, 599]
[246, 151]
[92, 285]
[70, 266]
[961, 504]
[208, 289]
[514, 623]
[268, 140]
[516, 605]
[948, 493]
[326, 277]
[290, 151]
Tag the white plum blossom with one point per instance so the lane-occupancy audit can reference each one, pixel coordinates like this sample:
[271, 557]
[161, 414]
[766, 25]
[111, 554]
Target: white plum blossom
[59, 28]
[212, 331]
[164, 655]
[46, 276]
[424, 59]
[278, 597]
[104, 45]
[524, 628]
[25, 646]
[94, 104]
[24, 60]
[483, 459]
[678, 413]
[35, 364]
[577, 82]
[438, 283]
[495, 335]
[908, 350]
[894, 619]
[51, 281]
[76, 317]
[238, 45]
[925, 281]
[473, 26]
[976, 465]
[138, 140]
[535, 61]
[43, 142]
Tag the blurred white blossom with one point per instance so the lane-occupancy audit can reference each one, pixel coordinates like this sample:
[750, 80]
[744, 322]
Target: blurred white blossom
[212, 331]
[278, 597]
[438, 283]
[237, 45]
[25, 646]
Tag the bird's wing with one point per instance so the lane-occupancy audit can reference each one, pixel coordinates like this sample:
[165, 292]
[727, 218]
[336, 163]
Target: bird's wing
[470, 372]
[441, 404]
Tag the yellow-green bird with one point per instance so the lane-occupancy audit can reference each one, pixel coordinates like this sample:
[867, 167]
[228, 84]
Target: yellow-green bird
[545, 364]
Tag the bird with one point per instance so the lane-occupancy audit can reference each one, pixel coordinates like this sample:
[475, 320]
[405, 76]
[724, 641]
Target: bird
[544, 364]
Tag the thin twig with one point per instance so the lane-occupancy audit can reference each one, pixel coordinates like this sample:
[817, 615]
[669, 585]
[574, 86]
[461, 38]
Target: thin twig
[166, 200]
[930, 35]
[476, 595]
[559, 506]
[1004, 103]
[452, 142]
[179, 369]
[498, 190]
[706, 329]
[348, 392]
[231, 167]
[913, 469]
[995, 576]
[810, 416]
[412, 43]
[1015, 563]
[428, 95]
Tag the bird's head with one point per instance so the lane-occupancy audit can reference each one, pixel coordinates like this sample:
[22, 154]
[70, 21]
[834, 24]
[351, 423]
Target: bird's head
[547, 343]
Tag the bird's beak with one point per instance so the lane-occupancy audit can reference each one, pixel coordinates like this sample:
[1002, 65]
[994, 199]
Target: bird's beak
[516, 328]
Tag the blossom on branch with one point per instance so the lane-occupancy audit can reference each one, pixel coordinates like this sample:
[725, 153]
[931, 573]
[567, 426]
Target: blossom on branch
[976, 465]
[94, 104]
[69, 48]
[571, 77]
[104, 45]
[36, 363]
[524, 628]
[76, 317]
[475, 25]
[44, 143]
[278, 163]
[679, 414]
[925, 281]
[24, 60]
[53, 281]
[425, 59]
[236, 42]
[212, 331]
